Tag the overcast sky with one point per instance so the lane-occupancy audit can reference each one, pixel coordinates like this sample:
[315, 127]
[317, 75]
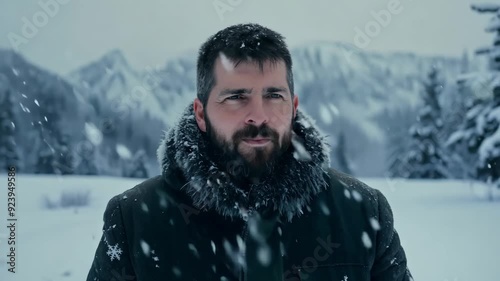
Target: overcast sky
[152, 31]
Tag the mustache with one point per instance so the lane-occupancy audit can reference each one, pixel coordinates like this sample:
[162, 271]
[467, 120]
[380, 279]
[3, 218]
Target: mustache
[251, 131]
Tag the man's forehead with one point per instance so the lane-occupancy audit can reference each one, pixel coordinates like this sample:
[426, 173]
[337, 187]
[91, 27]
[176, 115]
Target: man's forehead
[229, 65]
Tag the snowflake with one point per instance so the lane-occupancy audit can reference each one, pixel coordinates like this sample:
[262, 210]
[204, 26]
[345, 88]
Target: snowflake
[114, 252]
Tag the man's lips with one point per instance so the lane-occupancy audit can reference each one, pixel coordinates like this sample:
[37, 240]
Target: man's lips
[257, 141]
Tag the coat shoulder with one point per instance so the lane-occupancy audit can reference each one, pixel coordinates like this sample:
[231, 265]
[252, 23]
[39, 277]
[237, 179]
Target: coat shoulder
[345, 185]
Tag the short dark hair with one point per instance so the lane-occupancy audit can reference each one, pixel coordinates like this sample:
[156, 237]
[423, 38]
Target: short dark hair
[241, 42]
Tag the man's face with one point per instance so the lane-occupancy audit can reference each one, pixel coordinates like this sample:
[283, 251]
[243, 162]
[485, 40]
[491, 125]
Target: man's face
[248, 116]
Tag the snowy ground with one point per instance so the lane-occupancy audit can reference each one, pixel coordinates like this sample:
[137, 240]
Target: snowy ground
[450, 232]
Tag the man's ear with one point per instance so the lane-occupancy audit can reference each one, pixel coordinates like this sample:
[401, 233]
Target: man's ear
[199, 114]
[295, 105]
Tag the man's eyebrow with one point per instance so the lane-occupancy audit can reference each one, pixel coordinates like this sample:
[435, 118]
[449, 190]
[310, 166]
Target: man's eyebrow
[228, 92]
[275, 90]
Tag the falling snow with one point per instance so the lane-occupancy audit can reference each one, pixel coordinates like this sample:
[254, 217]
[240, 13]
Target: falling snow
[144, 207]
[264, 255]
[93, 134]
[366, 240]
[357, 196]
[213, 246]
[114, 252]
[375, 224]
[163, 201]
[176, 271]
[22, 106]
[334, 109]
[194, 250]
[123, 151]
[145, 247]
[325, 114]
[36, 102]
[347, 193]
[325, 209]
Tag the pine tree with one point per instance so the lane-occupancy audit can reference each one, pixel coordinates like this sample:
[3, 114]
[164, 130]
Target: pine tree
[480, 131]
[399, 141]
[459, 99]
[9, 154]
[427, 160]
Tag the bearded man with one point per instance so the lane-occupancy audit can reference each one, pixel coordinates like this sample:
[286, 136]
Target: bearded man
[246, 192]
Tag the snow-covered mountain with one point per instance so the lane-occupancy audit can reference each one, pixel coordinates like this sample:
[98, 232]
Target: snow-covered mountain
[344, 88]
[337, 80]
[111, 80]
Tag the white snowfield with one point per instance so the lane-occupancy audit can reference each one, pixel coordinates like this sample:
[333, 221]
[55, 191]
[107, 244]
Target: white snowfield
[449, 230]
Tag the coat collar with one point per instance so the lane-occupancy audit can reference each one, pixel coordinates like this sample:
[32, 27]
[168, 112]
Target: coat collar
[298, 178]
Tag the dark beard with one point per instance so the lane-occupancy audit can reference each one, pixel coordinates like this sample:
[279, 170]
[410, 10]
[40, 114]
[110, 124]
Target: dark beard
[226, 155]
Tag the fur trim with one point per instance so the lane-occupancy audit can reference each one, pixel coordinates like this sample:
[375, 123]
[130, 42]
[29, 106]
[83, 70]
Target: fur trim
[210, 187]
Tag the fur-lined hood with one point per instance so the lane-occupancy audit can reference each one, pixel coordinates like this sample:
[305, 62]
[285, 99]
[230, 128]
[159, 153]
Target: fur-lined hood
[298, 178]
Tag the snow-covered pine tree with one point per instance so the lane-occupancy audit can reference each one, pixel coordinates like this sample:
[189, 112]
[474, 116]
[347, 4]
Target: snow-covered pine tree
[480, 131]
[457, 99]
[9, 154]
[399, 141]
[427, 160]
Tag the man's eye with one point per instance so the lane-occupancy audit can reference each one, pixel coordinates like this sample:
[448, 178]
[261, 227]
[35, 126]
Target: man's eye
[235, 97]
[275, 96]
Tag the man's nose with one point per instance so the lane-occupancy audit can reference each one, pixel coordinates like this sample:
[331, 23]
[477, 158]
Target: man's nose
[257, 114]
